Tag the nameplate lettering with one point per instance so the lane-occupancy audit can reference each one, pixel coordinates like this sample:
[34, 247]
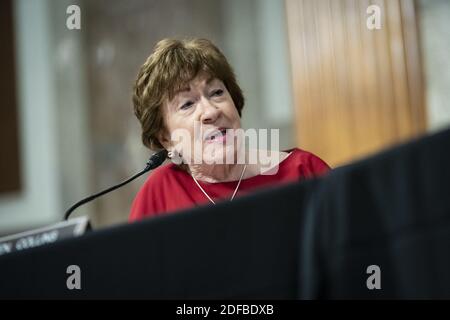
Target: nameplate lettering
[38, 237]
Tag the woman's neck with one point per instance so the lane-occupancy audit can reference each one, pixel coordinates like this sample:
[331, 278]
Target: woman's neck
[214, 173]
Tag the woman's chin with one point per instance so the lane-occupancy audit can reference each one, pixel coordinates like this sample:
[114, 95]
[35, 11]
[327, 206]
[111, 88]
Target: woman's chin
[217, 153]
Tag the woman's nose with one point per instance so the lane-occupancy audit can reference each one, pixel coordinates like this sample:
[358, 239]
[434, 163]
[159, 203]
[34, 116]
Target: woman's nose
[210, 112]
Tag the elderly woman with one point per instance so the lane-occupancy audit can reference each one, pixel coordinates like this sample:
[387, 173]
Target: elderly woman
[186, 89]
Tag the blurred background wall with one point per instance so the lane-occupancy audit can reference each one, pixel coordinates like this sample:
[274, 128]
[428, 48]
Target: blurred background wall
[310, 68]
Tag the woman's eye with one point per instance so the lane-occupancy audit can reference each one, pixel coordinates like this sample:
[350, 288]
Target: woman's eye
[217, 93]
[187, 105]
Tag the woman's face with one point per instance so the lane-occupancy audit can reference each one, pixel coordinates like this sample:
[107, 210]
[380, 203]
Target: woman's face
[196, 120]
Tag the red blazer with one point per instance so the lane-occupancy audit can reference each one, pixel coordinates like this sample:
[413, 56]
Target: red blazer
[169, 188]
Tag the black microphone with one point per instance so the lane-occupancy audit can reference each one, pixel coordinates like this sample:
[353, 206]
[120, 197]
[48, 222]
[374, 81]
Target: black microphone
[155, 161]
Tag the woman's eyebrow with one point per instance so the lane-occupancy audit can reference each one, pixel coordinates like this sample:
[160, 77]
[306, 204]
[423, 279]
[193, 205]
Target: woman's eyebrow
[181, 90]
[187, 88]
[213, 82]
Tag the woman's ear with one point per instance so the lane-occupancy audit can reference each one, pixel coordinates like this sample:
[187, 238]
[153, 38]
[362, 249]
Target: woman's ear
[164, 138]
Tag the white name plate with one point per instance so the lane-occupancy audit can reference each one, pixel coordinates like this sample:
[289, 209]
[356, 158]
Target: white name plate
[38, 237]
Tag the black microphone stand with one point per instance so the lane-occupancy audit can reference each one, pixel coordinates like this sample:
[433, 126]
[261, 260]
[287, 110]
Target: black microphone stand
[155, 160]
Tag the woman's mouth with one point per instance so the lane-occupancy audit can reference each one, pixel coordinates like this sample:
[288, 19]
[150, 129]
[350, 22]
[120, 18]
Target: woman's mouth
[218, 135]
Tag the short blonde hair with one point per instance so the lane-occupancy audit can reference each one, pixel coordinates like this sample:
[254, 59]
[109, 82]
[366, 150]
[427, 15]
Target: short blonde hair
[171, 66]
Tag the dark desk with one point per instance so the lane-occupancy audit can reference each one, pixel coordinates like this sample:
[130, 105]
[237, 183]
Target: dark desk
[313, 239]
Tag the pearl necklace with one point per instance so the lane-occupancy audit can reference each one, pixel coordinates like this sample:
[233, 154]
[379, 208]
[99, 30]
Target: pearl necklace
[234, 193]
